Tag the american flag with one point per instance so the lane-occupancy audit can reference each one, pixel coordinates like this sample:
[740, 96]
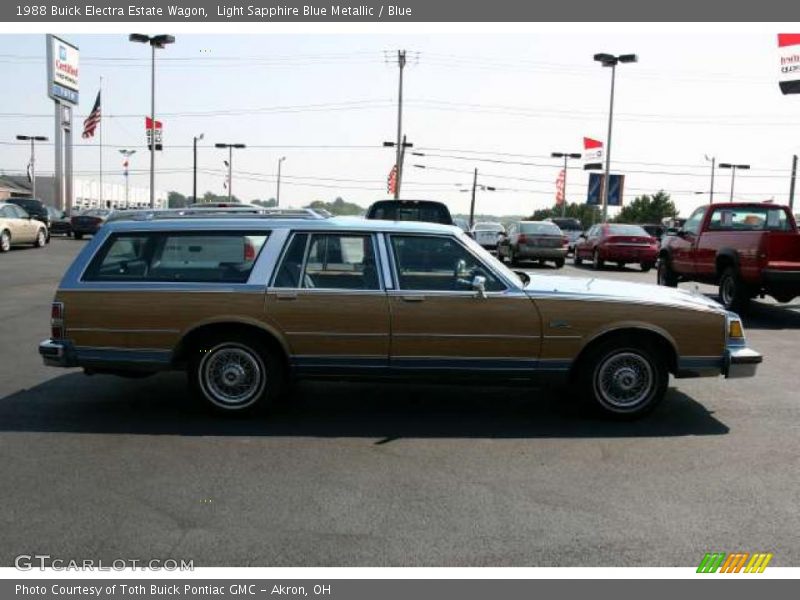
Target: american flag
[93, 120]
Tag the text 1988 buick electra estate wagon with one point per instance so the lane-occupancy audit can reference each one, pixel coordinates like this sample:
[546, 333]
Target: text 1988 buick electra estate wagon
[246, 303]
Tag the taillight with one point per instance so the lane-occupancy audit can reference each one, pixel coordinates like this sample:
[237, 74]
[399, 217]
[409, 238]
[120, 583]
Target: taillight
[57, 320]
[564, 241]
[249, 251]
[522, 239]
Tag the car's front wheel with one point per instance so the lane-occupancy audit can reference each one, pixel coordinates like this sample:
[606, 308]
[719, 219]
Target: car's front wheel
[624, 379]
[646, 266]
[665, 275]
[235, 374]
[559, 262]
[41, 239]
[5, 241]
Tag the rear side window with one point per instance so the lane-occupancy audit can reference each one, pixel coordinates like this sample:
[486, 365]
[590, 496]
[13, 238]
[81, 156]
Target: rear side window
[329, 261]
[541, 228]
[429, 212]
[181, 257]
[749, 219]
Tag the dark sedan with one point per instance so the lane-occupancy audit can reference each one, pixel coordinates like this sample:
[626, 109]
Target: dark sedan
[88, 222]
[60, 223]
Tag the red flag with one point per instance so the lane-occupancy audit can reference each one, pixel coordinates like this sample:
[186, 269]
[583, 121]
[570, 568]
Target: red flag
[148, 123]
[391, 186]
[560, 187]
[589, 143]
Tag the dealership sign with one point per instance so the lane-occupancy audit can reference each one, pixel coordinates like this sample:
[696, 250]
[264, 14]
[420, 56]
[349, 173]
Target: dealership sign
[62, 70]
[148, 126]
[789, 51]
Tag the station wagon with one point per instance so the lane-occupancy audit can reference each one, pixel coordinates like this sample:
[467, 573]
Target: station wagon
[247, 303]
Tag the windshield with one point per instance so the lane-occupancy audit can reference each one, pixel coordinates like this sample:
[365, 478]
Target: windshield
[491, 260]
[489, 227]
[568, 224]
[539, 227]
[627, 230]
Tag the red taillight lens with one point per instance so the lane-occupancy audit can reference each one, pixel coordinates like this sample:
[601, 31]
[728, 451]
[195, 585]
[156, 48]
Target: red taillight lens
[57, 320]
[249, 251]
[564, 241]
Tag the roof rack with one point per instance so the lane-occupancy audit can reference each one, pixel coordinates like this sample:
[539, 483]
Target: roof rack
[222, 212]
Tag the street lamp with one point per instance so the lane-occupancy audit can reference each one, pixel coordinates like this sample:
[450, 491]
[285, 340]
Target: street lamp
[713, 161]
[566, 156]
[156, 41]
[194, 168]
[609, 60]
[230, 148]
[32, 139]
[127, 154]
[278, 191]
[733, 169]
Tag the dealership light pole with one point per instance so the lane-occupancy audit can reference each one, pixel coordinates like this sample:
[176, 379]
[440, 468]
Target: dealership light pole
[278, 190]
[127, 154]
[713, 161]
[609, 60]
[32, 139]
[230, 148]
[194, 167]
[566, 156]
[733, 169]
[156, 41]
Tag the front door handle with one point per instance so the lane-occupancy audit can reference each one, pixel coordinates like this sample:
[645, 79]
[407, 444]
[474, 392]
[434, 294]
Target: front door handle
[413, 298]
[286, 296]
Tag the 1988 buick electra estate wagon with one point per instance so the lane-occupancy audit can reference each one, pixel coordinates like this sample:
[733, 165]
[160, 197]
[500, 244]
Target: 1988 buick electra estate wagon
[246, 303]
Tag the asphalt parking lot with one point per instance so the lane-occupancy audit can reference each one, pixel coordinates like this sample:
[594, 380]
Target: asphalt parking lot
[394, 475]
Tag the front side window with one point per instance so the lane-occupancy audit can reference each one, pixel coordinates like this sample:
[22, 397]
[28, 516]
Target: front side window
[693, 224]
[438, 264]
[177, 257]
[329, 261]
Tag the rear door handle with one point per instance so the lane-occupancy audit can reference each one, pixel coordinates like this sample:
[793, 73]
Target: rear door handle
[286, 296]
[413, 298]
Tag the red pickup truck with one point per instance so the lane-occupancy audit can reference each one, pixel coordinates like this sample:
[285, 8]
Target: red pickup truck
[748, 249]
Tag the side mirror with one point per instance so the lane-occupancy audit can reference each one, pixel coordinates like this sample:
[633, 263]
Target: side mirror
[479, 285]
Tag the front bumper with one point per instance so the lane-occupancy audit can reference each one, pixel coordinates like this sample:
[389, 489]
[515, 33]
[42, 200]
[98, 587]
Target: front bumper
[741, 362]
[57, 353]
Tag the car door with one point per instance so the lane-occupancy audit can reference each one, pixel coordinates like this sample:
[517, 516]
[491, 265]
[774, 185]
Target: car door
[24, 228]
[439, 322]
[327, 297]
[583, 247]
[682, 245]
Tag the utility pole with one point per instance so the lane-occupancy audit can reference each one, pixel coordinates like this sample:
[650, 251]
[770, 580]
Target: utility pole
[278, 187]
[194, 168]
[472, 202]
[127, 154]
[791, 186]
[401, 62]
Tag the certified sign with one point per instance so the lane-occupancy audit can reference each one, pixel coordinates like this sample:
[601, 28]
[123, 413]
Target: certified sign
[62, 70]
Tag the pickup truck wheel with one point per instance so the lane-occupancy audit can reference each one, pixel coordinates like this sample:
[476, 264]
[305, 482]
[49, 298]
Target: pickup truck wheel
[733, 292]
[577, 260]
[5, 241]
[623, 379]
[666, 276]
[597, 262]
[235, 374]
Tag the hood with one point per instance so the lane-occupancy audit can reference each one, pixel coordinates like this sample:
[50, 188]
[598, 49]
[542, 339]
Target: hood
[615, 290]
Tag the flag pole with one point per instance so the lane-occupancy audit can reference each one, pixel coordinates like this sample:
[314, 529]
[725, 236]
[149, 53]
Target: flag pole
[100, 126]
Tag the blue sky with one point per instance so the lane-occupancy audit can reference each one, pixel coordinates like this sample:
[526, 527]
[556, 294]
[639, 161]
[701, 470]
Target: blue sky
[494, 97]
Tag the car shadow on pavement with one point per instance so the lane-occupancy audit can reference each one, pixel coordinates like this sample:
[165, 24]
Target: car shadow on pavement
[161, 405]
[760, 315]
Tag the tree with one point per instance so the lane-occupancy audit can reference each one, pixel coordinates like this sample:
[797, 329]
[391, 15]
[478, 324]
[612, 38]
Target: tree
[648, 209]
[338, 207]
[271, 203]
[176, 200]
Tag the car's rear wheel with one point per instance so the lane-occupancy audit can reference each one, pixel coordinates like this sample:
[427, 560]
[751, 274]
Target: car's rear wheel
[77, 236]
[733, 292]
[559, 262]
[235, 374]
[41, 239]
[597, 262]
[624, 379]
[646, 266]
[5, 241]
[577, 260]
[665, 275]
